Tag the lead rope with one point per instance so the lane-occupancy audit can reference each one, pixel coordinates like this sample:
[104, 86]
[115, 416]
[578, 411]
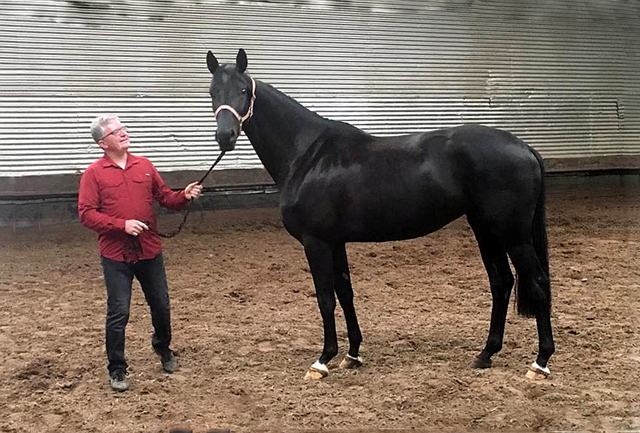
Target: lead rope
[186, 214]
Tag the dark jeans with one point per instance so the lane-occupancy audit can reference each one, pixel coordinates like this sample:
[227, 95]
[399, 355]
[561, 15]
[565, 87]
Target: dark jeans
[118, 277]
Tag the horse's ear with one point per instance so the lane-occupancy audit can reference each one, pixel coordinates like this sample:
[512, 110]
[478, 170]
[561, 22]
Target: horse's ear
[212, 62]
[241, 61]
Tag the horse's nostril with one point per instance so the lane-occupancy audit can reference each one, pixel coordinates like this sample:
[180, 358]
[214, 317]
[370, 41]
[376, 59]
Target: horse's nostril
[224, 135]
[226, 138]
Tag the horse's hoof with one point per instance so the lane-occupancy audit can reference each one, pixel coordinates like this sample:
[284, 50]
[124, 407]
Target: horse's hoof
[350, 362]
[480, 363]
[315, 374]
[317, 371]
[536, 372]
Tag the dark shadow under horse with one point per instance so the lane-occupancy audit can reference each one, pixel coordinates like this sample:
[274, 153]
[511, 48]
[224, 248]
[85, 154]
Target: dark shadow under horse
[339, 184]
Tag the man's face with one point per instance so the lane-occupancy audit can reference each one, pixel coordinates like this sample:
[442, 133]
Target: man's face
[115, 138]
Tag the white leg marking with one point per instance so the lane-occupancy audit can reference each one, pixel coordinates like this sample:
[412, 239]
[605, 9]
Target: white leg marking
[543, 369]
[359, 359]
[320, 367]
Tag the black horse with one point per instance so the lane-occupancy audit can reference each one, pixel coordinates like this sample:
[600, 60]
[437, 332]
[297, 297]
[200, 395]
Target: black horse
[339, 184]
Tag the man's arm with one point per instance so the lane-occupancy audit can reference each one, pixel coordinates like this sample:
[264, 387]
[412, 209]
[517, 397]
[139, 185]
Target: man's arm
[173, 199]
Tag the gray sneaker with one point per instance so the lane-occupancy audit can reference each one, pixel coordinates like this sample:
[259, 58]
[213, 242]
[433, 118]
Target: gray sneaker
[119, 380]
[168, 360]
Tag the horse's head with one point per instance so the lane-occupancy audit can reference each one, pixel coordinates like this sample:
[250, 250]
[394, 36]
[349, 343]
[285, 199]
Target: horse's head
[232, 95]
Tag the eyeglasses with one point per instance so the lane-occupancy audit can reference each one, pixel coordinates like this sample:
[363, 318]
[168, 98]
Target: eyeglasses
[118, 131]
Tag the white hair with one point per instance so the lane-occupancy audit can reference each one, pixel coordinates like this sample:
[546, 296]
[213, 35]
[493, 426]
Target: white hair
[97, 126]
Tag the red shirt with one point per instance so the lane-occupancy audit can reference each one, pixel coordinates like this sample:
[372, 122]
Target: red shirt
[109, 195]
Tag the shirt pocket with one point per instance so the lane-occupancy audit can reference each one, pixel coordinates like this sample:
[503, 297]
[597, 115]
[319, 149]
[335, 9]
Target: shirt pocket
[112, 188]
[142, 190]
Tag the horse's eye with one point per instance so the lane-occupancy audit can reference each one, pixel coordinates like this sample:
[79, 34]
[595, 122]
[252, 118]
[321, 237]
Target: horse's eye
[244, 90]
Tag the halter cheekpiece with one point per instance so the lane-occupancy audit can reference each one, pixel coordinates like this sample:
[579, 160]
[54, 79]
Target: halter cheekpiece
[233, 111]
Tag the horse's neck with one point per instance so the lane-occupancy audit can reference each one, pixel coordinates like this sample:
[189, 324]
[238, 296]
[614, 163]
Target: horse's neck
[280, 129]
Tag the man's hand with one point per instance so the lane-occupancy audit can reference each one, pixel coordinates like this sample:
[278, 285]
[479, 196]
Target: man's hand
[134, 227]
[193, 190]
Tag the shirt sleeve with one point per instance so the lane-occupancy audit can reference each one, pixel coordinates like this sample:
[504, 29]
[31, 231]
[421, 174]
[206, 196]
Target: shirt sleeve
[166, 196]
[89, 206]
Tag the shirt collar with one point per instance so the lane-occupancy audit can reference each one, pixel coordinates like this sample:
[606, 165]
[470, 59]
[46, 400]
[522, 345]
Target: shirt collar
[131, 160]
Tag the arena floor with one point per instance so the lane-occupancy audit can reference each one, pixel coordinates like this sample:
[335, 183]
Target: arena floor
[247, 327]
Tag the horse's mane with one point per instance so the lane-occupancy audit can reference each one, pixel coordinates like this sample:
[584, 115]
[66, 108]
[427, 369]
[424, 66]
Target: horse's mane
[287, 101]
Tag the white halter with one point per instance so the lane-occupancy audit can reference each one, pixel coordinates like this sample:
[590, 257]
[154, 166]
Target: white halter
[233, 111]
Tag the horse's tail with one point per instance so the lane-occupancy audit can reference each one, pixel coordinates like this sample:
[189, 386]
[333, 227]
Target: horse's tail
[540, 245]
[540, 242]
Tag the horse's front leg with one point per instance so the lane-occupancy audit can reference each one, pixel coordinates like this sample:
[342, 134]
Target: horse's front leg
[344, 291]
[320, 257]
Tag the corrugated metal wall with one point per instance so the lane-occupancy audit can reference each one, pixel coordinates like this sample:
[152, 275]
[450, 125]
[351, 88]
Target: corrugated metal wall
[563, 75]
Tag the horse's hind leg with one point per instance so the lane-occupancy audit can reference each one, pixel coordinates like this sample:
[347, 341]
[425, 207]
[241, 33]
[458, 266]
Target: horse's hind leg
[501, 281]
[534, 299]
[344, 291]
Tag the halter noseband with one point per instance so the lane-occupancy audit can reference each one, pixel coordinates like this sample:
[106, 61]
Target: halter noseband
[233, 111]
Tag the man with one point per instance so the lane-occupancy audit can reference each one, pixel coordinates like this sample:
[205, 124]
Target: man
[116, 200]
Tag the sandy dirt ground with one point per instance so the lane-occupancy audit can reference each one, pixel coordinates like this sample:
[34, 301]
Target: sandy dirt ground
[247, 327]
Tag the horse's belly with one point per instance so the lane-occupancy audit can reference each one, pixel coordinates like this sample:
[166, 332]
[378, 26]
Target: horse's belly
[398, 225]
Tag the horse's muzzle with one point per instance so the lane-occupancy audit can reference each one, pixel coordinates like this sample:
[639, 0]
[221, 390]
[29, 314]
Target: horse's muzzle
[226, 139]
